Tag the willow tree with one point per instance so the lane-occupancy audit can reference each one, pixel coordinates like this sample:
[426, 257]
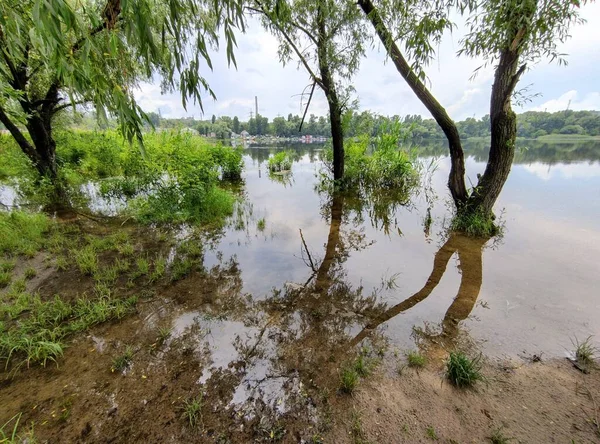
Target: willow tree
[56, 54]
[326, 38]
[508, 34]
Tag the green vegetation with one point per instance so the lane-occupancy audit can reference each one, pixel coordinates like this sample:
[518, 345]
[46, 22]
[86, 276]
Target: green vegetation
[5, 278]
[415, 359]
[164, 333]
[261, 224]
[23, 233]
[463, 371]
[431, 434]
[38, 337]
[9, 434]
[585, 353]
[476, 224]
[87, 260]
[348, 380]
[30, 273]
[192, 410]
[281, 162]
[123, 361]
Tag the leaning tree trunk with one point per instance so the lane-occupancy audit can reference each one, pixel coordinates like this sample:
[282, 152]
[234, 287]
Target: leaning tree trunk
[503, 125]
[328, 86]
[456, 178]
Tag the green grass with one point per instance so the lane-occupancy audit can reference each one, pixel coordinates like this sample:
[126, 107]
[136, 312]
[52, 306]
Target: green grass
[143, 266]
[415, 359]
[261, 224]
[30, 273]
[181, 268]
[349, 380]
[39, 337]
[23, 233]
[126, 249]
[497, 437]
[5, 278]
[281, 161]
[463, 371]
[475, 224]
[123, 361]
[86, 259]
[362, 366]
[192, 410]
[585, 353]
[160, 266]
[431, 434]
[164, 333]
[9, 432]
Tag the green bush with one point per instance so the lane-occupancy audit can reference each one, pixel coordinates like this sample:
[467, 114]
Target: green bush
[281, 161]
[463, 371]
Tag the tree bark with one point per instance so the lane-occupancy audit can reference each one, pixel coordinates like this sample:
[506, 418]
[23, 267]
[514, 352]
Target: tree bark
[328, 86]
[503, 125]
[456, 178]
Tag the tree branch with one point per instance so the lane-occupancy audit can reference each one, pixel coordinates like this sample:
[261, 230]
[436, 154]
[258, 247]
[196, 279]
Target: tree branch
[66, 105]
[18, 135]
[291, 43]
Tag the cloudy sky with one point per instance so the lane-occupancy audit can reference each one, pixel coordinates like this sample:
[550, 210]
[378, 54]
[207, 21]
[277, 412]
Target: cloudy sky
[378, 85]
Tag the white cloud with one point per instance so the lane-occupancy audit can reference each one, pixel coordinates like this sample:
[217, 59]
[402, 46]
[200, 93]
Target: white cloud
[380, 87]
[571, 101]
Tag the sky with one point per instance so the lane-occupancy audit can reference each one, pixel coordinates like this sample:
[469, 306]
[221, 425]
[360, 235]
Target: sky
[380, 88]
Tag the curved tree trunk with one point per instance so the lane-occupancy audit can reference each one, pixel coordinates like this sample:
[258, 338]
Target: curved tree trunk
[503, 125]
[456, 178]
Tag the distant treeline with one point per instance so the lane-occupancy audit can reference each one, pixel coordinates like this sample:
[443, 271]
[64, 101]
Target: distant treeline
[531, 124]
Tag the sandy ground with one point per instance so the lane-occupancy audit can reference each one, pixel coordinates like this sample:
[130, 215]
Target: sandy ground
[547, 402]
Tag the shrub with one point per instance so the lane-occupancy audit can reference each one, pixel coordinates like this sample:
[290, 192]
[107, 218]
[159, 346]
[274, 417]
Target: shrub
[281, 161]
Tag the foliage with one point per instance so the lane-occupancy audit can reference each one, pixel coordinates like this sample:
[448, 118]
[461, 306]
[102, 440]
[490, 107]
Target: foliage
[463, 371]
[97, 51]
[122, 362]
[348, 380]
[281, 161]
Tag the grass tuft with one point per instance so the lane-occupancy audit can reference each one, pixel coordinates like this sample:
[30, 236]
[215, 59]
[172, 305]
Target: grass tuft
[192, 410]
[415, 359]
[348, 380]
[431, 434]
[585, 353]
[463, 371]
[475, 224]
[122, 362]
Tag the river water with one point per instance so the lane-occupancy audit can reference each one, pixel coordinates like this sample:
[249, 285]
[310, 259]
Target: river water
[534, 290]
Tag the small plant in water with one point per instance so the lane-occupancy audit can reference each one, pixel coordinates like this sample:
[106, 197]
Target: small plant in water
[463, 371]
[123, 361]
[192, 410]
[585, 353]
[475, 224]
[348, 380]
[261, 224]
[415, 359]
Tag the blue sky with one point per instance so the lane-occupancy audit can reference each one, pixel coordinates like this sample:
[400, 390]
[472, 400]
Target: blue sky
[378, 85]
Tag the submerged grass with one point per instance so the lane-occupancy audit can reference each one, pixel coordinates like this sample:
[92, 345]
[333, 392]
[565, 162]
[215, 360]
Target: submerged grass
[39, 337]
[281, 161]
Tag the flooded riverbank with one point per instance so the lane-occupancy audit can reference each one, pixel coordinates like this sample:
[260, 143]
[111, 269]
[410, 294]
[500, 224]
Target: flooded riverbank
[257, 322]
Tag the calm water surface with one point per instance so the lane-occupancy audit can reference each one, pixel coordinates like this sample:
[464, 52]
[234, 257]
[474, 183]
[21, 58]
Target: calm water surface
[534, 290]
